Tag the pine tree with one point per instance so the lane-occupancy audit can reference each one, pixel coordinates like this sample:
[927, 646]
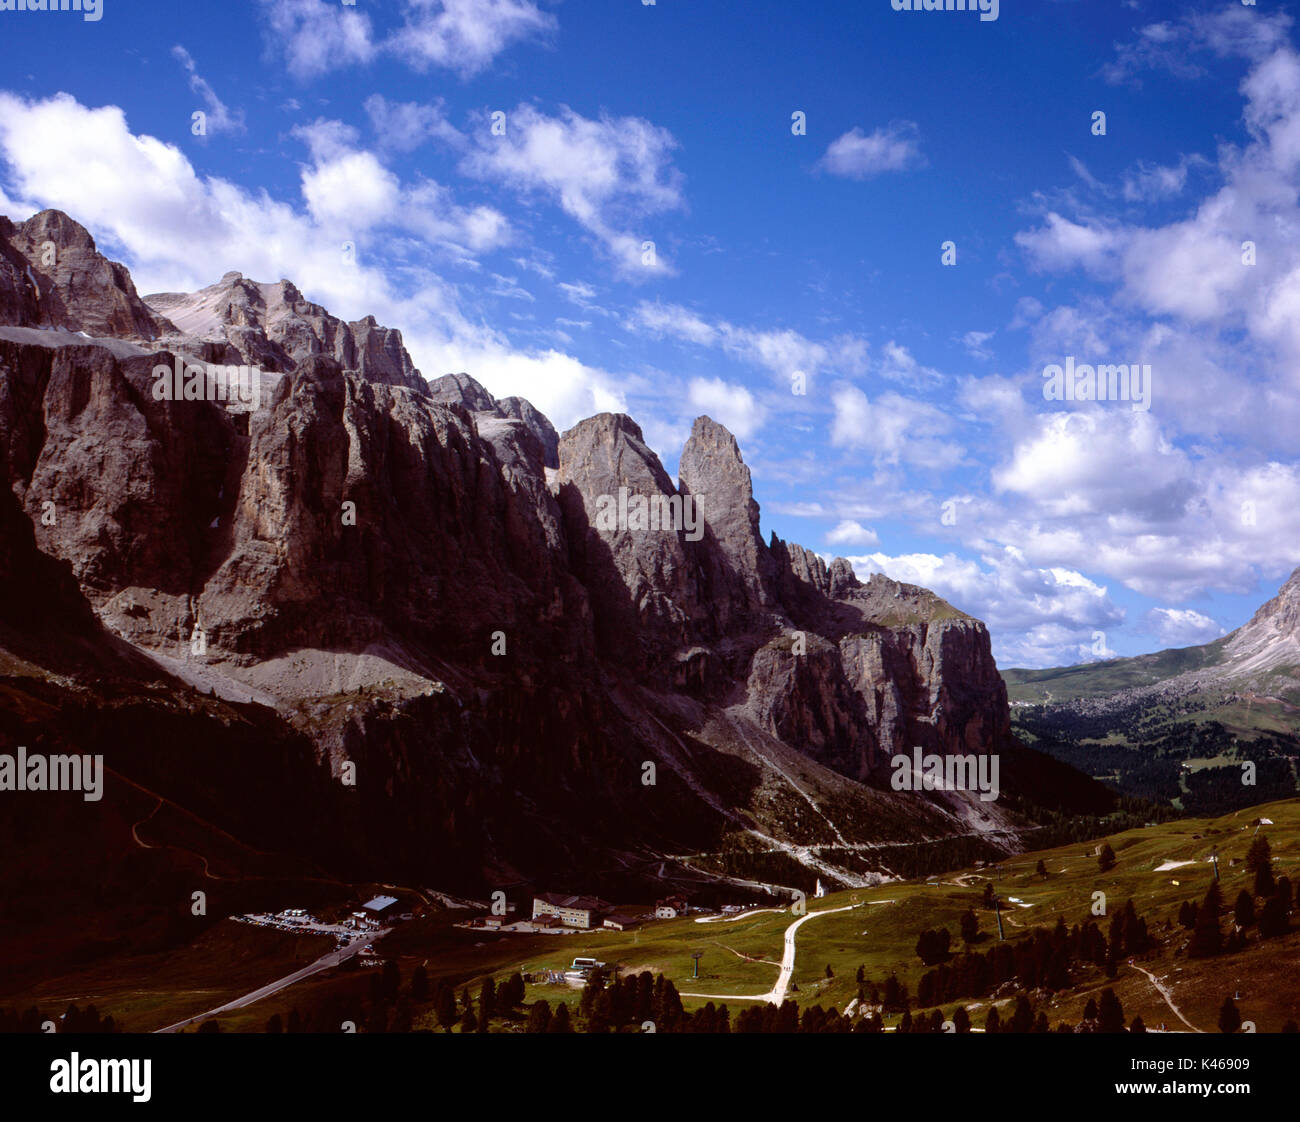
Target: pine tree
[539, 1017]
[1259, 853]
[992, 1021]
[511, 993]
[1022, 1020]
[1106, 858]
[970, 926]
[1284, 892]
[895, 999]
[594, 986]
[390, 980]
[487, 999]
[1229, 1016]
[560, 1022]
[932, 946]
[1244, 911]
[1264, 885]
[1041, 868]
[1110, 1013]
[1207, 938]
[961, 1019]
[402, 1016]
[1138, 1025]
[1273, 918]
[444, 1005]
[602, 1013]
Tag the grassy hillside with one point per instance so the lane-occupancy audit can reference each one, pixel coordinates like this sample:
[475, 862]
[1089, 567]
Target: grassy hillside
[1158, 868]
[1098, 679]
[880, 931]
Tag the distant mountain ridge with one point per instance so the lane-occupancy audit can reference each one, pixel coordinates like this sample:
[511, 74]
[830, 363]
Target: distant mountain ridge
[1262, 657]
[1206, 729]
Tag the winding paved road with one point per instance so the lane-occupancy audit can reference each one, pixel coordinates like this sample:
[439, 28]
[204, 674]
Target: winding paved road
[325, 962]
[777, 993]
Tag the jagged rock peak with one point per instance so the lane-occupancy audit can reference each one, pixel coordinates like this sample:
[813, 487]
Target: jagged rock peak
[711, 460]
[461, 389]
[1281, 614]
[53, 225]
[51, 275]
[843, 579]
[740, 578]
[806, 565]
[272, 326]
[606, 452]
[524, 410]
[612, 423]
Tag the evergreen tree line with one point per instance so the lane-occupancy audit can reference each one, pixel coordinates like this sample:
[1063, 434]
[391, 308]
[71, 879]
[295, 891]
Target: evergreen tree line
[1041, 960]
[75, 1020]
[1271, 918]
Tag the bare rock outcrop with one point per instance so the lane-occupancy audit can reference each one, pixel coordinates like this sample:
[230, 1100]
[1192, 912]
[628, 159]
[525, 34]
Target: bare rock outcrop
[738, 569]
[273, 327]
[53, 276]
[499, 622]
[461, 389]
[626, 544]
[538, 424]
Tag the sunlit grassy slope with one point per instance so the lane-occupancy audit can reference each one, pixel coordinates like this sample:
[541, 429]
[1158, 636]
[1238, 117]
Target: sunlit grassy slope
[880, 932]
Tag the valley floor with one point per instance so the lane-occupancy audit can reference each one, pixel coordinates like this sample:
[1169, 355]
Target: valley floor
[766, 954]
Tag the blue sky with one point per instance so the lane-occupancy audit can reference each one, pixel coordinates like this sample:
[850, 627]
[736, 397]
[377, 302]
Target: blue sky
[351, 148]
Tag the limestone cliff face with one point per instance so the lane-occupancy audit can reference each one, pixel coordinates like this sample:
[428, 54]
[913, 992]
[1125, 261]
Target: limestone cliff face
[849, 673]
[461, 389]
[644, 582]
[799, 689]
[933, 685]
[495, 619]
[1272, 637]
[51, 275]
[118, 484]
[370, 498]
[37, 592]
[737, 569]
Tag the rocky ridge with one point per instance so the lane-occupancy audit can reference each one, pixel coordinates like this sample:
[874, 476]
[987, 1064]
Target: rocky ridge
[421, 580]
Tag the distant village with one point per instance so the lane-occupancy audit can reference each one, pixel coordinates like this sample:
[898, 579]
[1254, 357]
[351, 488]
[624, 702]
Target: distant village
[559, 914]
[556, 913]
[370, 921]
[356, 929]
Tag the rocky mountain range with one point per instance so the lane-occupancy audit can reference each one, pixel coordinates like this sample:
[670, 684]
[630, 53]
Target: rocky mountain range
[1206, 729]
[386, 623]
[1259, 660]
